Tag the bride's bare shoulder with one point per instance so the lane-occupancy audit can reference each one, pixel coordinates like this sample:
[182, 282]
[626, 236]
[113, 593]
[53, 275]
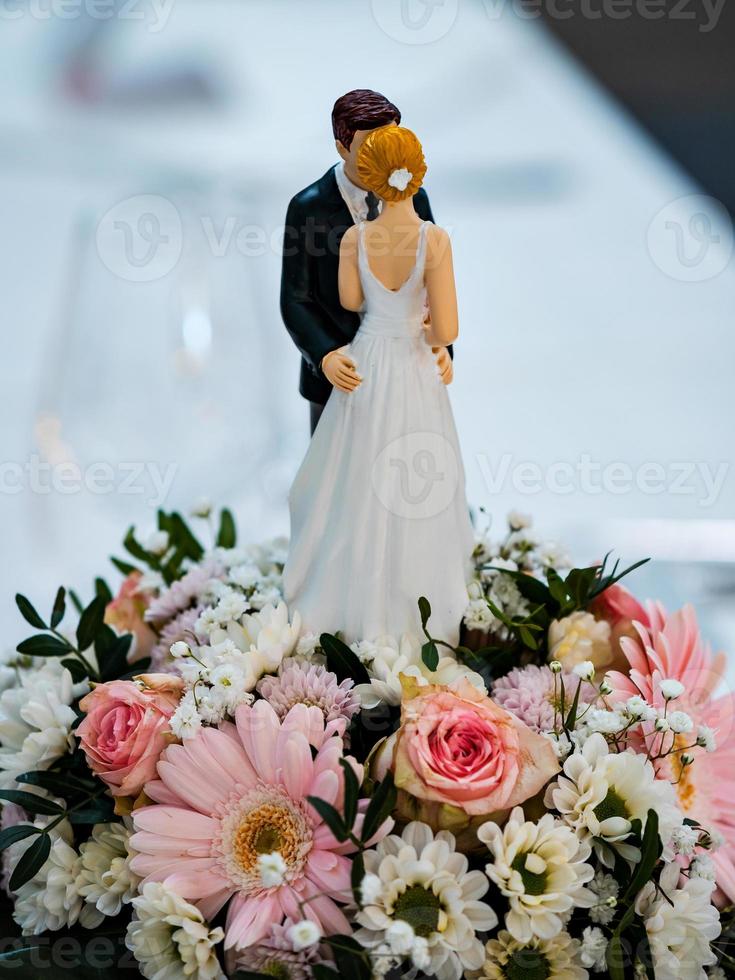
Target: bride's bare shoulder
[438, 244]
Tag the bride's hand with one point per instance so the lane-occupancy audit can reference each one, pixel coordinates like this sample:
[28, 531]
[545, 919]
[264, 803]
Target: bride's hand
[445, 364]
[341, 371]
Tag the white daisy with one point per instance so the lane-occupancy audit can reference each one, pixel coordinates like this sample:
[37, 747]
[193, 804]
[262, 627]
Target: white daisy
[105, 879]
[601, 792]
[387, 658]
[552, 959]
[426, 884]
[681, 923]
[540, 867]
[169, 937]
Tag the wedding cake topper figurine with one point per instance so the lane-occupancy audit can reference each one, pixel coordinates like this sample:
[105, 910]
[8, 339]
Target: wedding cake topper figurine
[378, 509]
[316, 220]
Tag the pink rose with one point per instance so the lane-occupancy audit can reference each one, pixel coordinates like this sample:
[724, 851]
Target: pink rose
[459, 750]
[125, 613]
[126, 729]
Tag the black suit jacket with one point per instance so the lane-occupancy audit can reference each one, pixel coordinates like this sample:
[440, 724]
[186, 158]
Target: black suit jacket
[316, 220]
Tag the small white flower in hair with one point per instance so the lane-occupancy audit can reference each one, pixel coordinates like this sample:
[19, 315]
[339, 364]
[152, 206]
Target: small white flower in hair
[400, 179]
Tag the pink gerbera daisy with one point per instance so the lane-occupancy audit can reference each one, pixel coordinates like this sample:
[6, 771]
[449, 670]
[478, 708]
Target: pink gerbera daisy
[671, 647]
[228, 796]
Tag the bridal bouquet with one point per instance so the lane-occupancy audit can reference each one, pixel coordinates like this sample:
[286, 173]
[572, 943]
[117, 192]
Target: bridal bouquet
[192, 786]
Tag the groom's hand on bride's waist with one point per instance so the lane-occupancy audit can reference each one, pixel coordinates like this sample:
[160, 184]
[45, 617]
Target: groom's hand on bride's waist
[445, 364]
[341, 371]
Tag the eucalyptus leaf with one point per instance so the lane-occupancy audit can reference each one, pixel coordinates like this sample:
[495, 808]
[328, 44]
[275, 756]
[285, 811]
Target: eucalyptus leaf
[342, 661]
[430, 655]
[31, 862]
[330, 817]
[29, 613]
[91, 622]
[31, 802]
[57, 613]
[11, 835]
[227, 534]
[44, 645]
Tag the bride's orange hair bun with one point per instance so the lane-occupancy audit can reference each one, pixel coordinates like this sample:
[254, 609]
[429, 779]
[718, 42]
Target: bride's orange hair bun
[391, 163]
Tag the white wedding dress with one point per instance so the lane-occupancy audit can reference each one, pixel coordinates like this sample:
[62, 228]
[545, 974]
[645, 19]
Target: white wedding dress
[378, 509]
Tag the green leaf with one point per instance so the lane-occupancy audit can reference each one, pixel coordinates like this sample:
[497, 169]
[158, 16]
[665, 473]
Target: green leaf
[572, 716]
[76, 668]
[57, 613]
[114, 662]
[31, 862]
[31, 802]
[58, 783]
[382, 804]
[556, 586]
[424, 611]
[321, 972]
[29, 613]
[357, 873]
[650, 853]
[352, 792]
[351, 957]
[101, 810]
[101, 588]
[131, 545]
[91, 622]
[330, 817]
[342, 661]
[19, 832]
[44, 646]
[184, 539]
[430, 655]
[227, 534]
[123, 566]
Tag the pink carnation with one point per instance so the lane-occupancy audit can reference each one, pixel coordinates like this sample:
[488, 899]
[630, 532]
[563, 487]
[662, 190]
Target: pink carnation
[127, 728]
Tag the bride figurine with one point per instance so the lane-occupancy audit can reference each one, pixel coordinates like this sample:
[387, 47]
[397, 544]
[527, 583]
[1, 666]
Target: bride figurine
[378, 509]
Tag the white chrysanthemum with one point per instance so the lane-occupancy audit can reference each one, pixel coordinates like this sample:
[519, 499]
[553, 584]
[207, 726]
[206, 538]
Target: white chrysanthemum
[386, 658]
[580, 637]
[601, 792]
[170, 939]
[36, 720]
[426, 883]
[105, 879]
[541, 869]
[553, 959]
[681, 923]
[50, 900]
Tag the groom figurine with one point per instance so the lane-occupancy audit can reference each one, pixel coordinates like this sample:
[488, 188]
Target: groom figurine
[316, 220]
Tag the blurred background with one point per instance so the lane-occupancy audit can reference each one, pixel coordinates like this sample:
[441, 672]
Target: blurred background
[582, 154]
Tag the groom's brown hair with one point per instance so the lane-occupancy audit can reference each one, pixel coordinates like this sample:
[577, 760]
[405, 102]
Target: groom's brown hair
[361, 109]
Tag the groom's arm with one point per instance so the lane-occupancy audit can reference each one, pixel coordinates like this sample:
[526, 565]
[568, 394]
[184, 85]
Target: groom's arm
[303, 318]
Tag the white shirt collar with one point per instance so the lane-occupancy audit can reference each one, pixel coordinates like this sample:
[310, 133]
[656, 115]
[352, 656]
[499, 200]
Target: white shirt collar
[353, 196]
